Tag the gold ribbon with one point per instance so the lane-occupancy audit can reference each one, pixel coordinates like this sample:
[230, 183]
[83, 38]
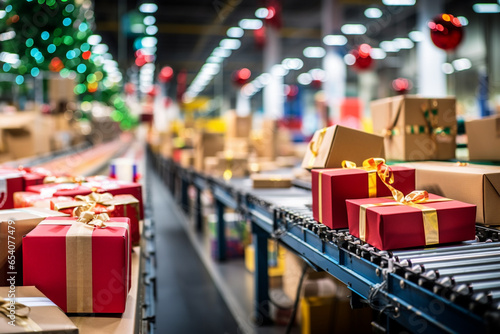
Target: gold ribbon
[315, 148]
[63, 179]
[413, 199]
[91, 201]
[79, 296]
[21, 315]
[320, 199]
[374, 167]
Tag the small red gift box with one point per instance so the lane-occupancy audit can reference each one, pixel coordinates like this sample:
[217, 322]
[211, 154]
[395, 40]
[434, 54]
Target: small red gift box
[387, 224]
[81, 268]
[339, 184]
[114, 187]
[11, 181]
[114, 206]
[26, 199]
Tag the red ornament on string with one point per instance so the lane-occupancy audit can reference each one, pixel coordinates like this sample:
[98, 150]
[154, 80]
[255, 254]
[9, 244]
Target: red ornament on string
[402, 85]
[446, 31]
[166, 74]
[362, 58]
[240, 77]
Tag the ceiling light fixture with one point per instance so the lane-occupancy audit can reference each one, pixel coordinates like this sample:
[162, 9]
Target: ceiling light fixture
[235, 32]
[485, 8]
[353, 29]
[314, 52]
[250, 24]
[335, 40]
[398, 2]
[373, 13]
[148, 8]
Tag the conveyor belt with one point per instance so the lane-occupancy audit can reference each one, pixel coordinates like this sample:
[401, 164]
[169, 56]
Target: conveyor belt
[450, 288]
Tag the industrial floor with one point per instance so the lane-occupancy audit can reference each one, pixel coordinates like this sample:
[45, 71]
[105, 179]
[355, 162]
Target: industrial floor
[187, 298]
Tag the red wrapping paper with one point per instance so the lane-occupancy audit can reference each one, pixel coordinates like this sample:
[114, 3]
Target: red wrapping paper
[114, 187]
[26, 199]
[11, 181]
[44, 255]
[339, 184]
[401, 226]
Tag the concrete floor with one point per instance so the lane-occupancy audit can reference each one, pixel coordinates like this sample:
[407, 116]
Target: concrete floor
[188, 301]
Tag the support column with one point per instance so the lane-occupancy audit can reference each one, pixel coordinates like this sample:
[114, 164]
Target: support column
[431, 79]
[261, 278]
[333, 63]
[199, 211]
[274, 92]
[221, 231]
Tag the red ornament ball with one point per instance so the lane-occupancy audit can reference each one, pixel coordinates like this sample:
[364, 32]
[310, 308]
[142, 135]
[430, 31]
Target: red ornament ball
[166, 74]
[446, 31]
[362, 58]
[241, 77]
[402, 85]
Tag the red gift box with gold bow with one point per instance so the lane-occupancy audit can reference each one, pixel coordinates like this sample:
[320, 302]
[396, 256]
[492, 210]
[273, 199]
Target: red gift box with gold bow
[419, 219]
[83, 267]
[331, 187]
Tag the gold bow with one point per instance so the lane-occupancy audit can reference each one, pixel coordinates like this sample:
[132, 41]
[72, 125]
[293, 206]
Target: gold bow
[91, 201]
[92, 219]
[63, 179]
[21, 315]
[374, 167]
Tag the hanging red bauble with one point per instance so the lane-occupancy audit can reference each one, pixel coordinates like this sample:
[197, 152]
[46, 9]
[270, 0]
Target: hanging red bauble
[446, 31]
[273, 17]
[402, 85]
[129, 88]
[291, 92]
[362, 58]
[240, 77]
[166, 74]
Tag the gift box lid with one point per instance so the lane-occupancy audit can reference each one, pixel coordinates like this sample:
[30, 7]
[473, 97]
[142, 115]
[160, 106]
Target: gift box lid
[43, 313]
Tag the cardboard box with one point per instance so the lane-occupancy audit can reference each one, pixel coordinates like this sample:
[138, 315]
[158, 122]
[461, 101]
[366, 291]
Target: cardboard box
[187, 158]
[483, 137]
[331, 187]
[264, 140]
[19, 142]
[43, 314]
[271, 181]
[411, 135]
[237, 145]
[382, 226]
[237, 126]
[475, 184]
[81, 269]
[330, 146]
[14, 224]
[206, 145]
[228, 164]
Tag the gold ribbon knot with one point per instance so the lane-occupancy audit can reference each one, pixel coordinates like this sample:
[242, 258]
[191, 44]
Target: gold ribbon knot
[21, 314]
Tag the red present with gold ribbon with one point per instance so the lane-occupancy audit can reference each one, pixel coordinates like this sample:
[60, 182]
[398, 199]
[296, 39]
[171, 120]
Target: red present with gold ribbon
[114, 206]
[331, 187]
[419, 219]
[82, 265]
[94, 184]
[27, 199]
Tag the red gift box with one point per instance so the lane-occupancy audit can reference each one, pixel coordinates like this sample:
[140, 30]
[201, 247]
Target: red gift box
[339, 184]
[114, 206]
[81, 268]
[387, 224]
[114, 187]
[11, 181]
[26, 199]
[31, 176]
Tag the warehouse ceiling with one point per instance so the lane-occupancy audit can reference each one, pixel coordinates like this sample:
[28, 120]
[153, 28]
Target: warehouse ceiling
[188, 30]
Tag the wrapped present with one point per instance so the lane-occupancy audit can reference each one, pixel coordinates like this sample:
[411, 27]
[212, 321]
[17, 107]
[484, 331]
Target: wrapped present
[331, 187]
[11, 181]
[271, 181]
[31, 176]
[475, 184]
[82, 265]
[14, 224]
[419, 219]
[93, 184]
[481, 132]
[416, 128]
[27, 199]
[34, 312]
[330, 146]
[114, 206]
